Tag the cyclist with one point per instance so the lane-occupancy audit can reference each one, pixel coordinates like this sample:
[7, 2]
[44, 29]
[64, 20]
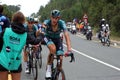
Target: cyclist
[53, 27]
[4, 21]
[13, 40]
[33, 32]
[102, 23]
[36, 21]
[106, 30]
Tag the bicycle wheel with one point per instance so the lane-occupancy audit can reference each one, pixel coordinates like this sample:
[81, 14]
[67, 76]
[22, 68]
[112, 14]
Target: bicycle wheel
[34, 69]
[39, 58]
[60, 75]
[108, 43]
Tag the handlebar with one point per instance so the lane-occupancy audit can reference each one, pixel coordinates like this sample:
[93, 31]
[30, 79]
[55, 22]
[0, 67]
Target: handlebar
[67, 54]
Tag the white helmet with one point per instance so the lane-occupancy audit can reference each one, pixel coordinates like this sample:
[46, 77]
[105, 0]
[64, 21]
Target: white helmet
[103, 19]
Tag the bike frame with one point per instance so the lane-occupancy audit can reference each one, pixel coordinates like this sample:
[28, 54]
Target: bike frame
[32, 62]
[56, 70]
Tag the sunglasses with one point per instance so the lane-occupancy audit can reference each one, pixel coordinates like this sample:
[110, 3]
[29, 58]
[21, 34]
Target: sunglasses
[55, 17]
[30, 22]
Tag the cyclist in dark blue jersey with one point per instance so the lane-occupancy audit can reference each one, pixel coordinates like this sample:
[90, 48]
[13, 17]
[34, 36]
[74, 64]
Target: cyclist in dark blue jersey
[53, 28]
[4, 21]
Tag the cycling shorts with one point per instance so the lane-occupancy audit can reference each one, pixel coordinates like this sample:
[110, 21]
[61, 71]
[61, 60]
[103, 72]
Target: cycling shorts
[58, 43]
[2, 69]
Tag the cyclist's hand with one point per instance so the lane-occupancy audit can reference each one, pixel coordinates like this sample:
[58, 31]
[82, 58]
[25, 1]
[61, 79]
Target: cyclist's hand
[69, 53]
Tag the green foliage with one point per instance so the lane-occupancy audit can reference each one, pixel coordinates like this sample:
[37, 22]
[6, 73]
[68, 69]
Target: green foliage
[116, 25]
[95, 9]
[10, 9]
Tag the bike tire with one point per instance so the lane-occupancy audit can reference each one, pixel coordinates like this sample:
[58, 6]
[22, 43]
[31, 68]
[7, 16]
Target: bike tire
[34, 69]
[60, 75]
[29, 63]
[39, 58]
[108, 43]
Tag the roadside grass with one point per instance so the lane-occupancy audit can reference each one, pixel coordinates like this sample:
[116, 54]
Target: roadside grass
[115, 38]
[112, 37]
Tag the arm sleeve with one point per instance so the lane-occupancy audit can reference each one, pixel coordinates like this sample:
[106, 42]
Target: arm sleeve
[32, 40]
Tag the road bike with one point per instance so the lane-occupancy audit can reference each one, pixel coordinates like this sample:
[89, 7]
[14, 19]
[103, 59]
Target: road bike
[57, 72]
[39, 56]
[105, 39]
[33, 59]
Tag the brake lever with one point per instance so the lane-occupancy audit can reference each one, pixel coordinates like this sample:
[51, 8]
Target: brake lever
[70, 54]
[72, 57]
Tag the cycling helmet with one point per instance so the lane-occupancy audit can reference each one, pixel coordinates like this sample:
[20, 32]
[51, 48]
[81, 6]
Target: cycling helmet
[55, 13]
[36, 20]
[103, 19]
[30, 19]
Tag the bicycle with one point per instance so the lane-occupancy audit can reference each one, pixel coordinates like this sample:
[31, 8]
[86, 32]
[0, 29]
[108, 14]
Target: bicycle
[32, 61]
[57, 73]
[105, 39]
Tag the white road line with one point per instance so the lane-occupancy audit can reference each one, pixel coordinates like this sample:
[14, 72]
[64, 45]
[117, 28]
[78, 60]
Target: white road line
[97, 60]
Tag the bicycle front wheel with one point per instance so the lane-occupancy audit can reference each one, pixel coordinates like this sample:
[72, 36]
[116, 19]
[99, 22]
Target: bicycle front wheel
[39, 58]
[35, 69]
[108, 43]
[60, 75]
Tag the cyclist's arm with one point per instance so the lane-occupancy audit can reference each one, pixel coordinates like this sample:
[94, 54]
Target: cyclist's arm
[32, 40]
[67, 38]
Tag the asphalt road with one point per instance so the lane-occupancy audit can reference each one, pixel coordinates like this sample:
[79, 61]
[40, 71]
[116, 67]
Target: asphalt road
[93, 61]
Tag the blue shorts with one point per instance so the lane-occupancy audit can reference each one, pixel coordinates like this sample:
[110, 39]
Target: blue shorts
[58, 43]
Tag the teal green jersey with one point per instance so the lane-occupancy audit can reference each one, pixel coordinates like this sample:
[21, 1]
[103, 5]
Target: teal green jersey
[50, 33]
[10, 56]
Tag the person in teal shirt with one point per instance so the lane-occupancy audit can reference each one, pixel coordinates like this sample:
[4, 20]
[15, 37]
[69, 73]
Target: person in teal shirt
[12, 41]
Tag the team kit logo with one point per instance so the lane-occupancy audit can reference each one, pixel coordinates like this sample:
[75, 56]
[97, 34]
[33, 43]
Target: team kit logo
[14, 40]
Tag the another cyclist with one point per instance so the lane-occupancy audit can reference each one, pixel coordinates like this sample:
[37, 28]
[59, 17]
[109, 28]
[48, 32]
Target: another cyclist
[54, 26]
[102, 23]
[36, 21]
[34, 33]
[106, 30]
[4, 21]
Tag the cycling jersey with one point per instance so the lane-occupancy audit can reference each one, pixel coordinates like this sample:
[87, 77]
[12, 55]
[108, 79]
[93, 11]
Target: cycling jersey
[33, 32]
[10, 56]
[55, 37]
[50, 33]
